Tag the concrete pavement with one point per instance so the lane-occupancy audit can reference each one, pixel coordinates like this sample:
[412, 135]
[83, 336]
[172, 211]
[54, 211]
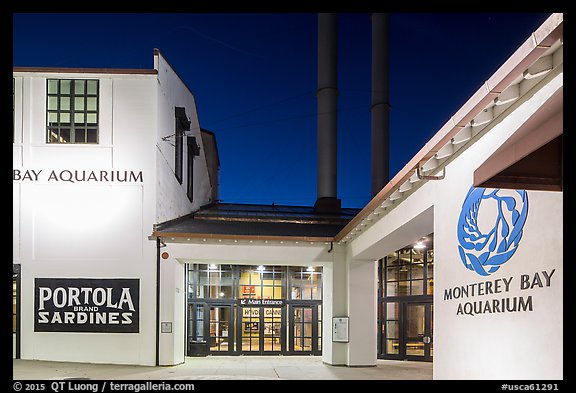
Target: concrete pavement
[225, 367]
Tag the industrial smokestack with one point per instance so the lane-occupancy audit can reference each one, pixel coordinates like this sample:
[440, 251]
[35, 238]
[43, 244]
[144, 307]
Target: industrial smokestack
[327, 105]
[380, 108]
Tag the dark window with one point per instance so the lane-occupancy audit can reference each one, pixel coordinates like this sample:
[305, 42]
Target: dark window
[72, 110]
[16, 308]
[182, 124]
[14, 302]
[193, 151]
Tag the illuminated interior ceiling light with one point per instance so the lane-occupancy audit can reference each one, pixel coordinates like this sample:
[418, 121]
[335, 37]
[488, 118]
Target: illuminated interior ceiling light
[540, 68]
[483, 117]
[465, 134]
[419, 245]
[511, 93]
[260, 268]
[212, 267]
[221, 294]
[446, 151]
[309, 269]
[396, 195]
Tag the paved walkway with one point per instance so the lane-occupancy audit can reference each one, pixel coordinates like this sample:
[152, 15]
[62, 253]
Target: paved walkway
[225, 367]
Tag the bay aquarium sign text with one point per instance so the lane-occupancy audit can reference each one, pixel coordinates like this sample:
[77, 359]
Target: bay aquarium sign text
[476, 299]
[77, 176]
[489, 232]
[86, 305]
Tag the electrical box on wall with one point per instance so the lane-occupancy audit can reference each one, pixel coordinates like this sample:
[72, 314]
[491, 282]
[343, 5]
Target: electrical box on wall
[340, 329]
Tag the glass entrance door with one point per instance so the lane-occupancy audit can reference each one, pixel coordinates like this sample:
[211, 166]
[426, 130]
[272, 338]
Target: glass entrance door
[220, 329]
[261, 330]
[407, 330]
[305, 329]
[417, 326]
[272, 333]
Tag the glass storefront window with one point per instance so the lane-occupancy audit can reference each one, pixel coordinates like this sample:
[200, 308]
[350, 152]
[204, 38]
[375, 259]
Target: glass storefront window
[210, 281]
[306, 283]
[430, 271]
[406, 283]
[405, 272]
[261, 282]
[218, 317]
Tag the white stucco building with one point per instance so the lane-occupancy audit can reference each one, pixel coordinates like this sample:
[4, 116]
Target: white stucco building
[94, 170]
[118, 215]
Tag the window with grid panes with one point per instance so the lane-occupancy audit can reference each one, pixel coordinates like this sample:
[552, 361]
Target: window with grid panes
[305, 283]
[72, 111]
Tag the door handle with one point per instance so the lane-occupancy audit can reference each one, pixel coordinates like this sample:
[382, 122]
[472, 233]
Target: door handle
[426, 340]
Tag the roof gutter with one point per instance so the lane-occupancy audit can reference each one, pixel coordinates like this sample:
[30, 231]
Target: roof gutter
[529, 52]
[216, 236]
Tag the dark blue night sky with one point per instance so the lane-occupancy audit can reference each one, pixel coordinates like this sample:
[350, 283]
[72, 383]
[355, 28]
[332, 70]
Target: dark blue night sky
[254, 80]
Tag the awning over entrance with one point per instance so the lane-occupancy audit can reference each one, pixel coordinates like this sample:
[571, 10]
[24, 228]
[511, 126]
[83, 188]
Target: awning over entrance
[531, 159]
[257, 222]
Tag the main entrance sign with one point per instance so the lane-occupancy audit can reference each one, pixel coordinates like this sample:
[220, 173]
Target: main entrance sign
[261, 302]
[490, 228]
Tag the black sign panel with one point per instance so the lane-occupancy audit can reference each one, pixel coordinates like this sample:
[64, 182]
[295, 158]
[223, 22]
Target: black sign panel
[87, 305]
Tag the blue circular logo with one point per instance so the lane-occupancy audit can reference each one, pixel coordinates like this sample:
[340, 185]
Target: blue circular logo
[489, 236]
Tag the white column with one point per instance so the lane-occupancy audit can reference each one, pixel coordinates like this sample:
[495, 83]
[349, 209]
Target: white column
[172, 301]
[334, 304]
[362, 311]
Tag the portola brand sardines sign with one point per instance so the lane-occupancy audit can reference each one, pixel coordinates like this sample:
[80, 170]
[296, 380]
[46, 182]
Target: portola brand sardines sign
[86, 305]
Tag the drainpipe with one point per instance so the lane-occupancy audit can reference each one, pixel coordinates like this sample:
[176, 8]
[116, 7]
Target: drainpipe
[158, 242]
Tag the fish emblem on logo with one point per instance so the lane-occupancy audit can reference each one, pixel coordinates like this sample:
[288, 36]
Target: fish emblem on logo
[490, 227]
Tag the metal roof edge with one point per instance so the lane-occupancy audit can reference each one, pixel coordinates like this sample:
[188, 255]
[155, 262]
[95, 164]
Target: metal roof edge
[61, 70]
[214, 236]
[538, 43]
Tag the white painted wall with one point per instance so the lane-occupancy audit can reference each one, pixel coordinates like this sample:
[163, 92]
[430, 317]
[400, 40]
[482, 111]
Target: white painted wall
[172, 201]
[519, 345]
[100, 229]
[88, 229]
